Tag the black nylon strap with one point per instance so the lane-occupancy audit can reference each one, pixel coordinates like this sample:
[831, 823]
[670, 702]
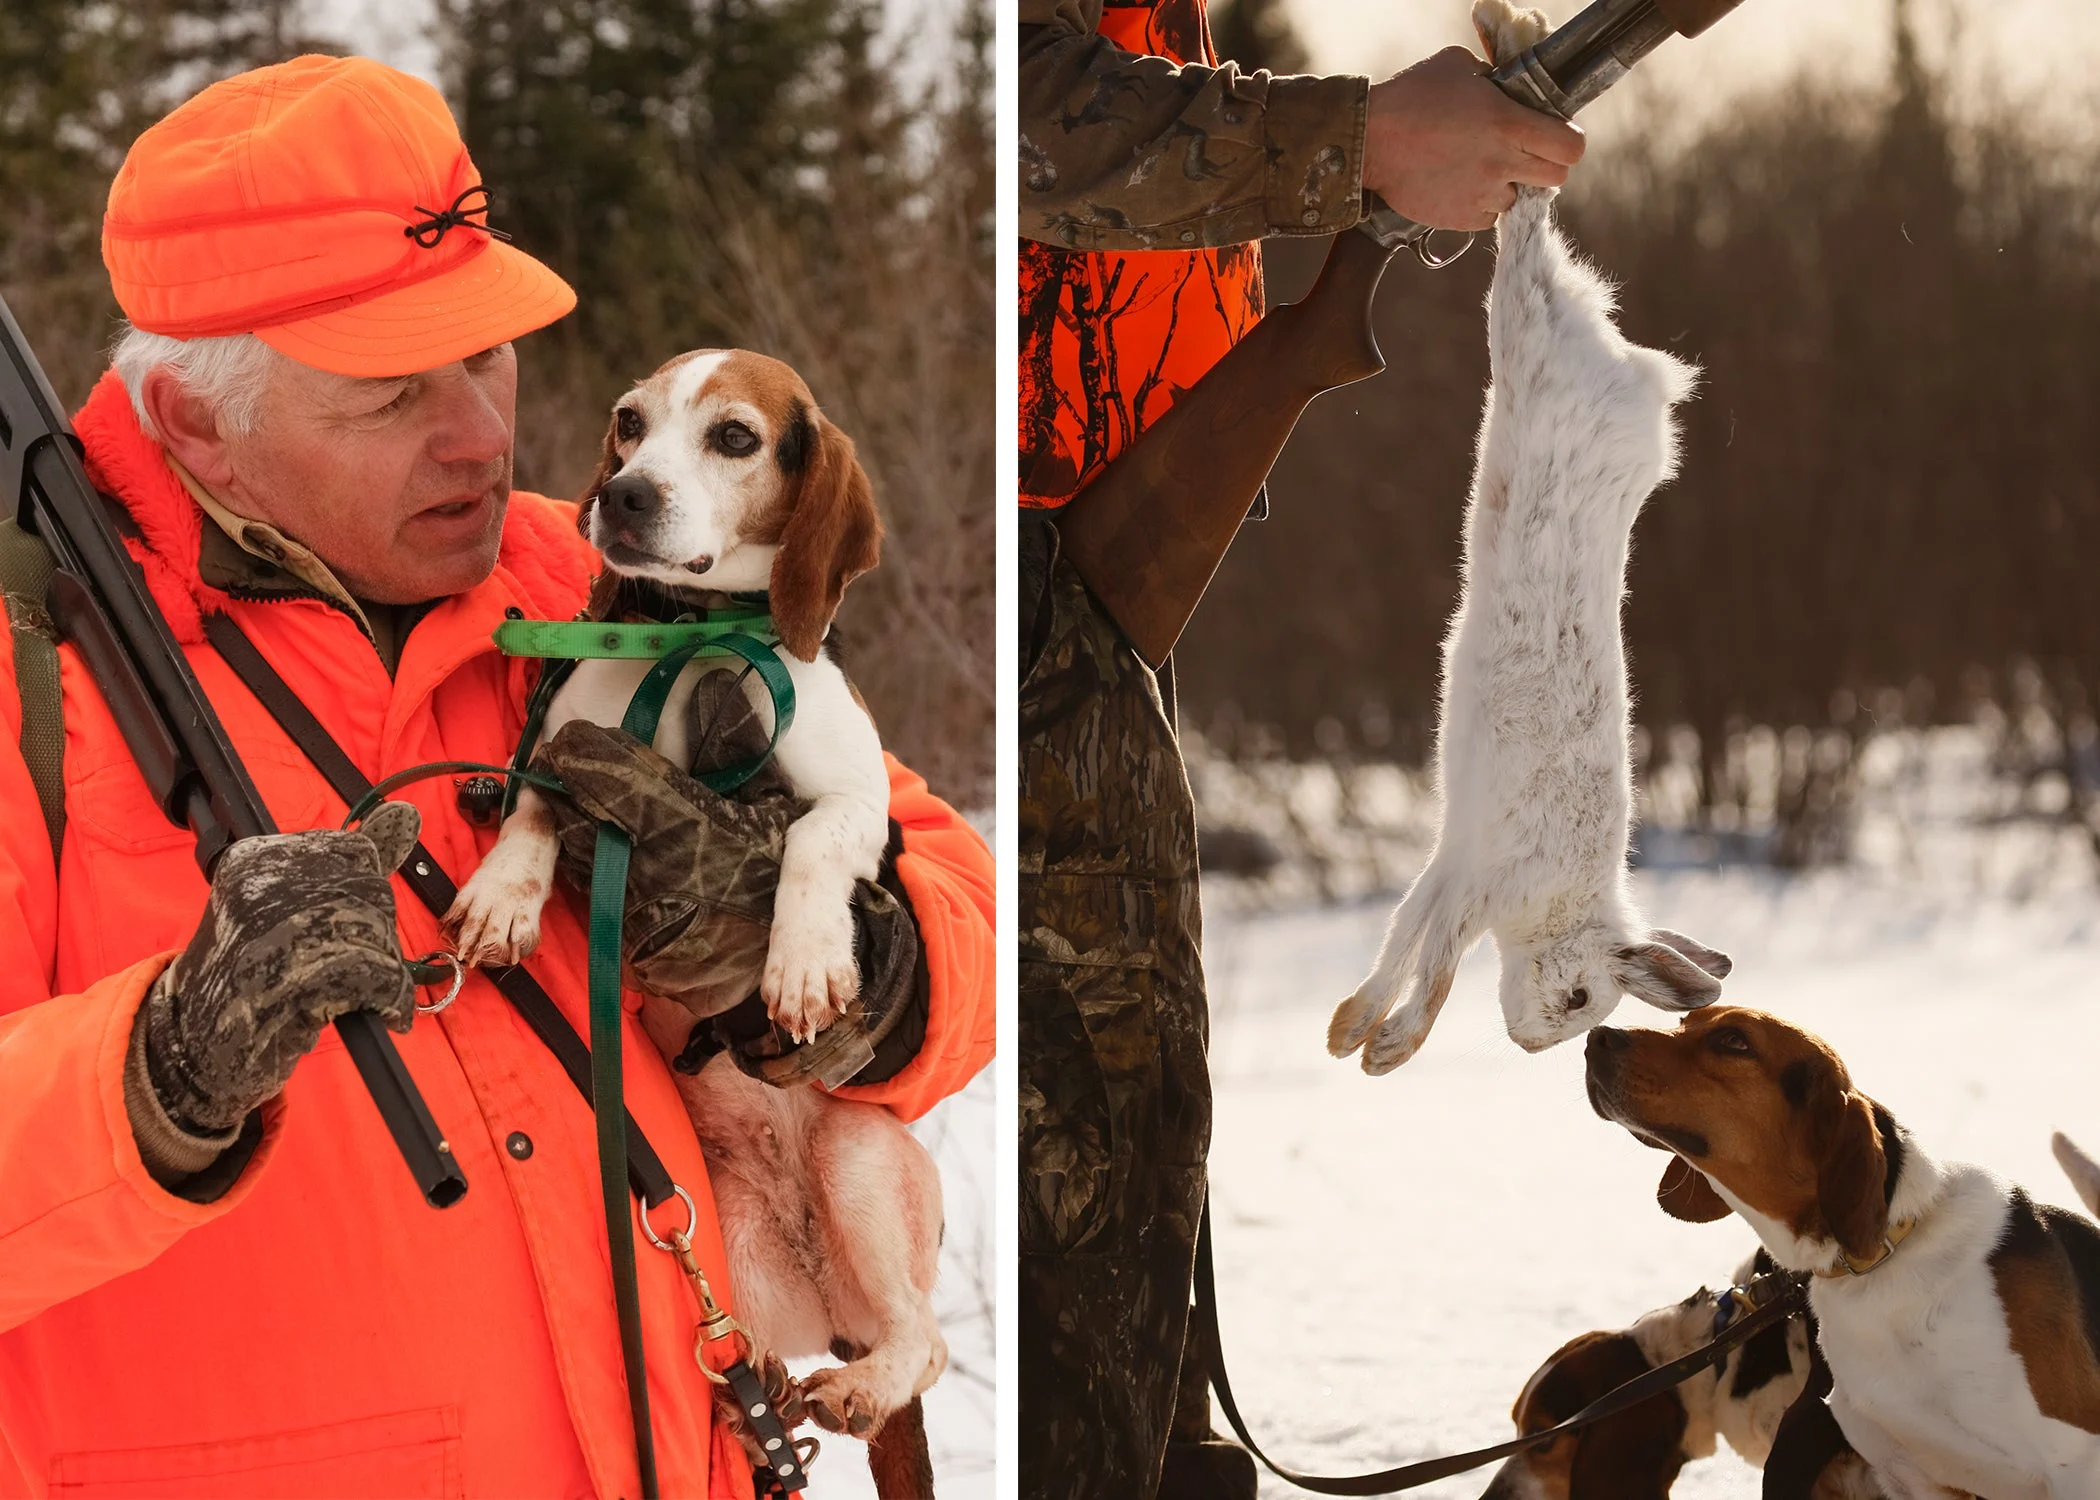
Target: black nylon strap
[1790, 1298]
[767, 1428]
[427, 878]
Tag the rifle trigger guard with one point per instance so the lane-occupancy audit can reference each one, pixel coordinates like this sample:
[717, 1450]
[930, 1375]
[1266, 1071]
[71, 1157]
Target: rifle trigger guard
[1431, 259]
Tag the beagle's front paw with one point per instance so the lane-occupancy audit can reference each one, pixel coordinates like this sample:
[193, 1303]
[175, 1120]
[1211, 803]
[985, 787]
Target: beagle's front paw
[811, 974]
[495, 918]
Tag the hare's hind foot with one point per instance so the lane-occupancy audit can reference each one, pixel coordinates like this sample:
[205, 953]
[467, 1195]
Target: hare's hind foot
[1505, 30]
[1358, 1016]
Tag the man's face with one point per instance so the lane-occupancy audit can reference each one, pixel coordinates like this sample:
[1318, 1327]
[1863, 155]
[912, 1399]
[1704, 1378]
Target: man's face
[399, 485]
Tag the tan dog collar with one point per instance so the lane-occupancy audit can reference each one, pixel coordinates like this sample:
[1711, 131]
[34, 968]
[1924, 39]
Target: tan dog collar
[1897, 1233]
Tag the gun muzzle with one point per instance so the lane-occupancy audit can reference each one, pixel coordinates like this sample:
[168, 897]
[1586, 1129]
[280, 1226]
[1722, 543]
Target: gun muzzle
[1600, 46]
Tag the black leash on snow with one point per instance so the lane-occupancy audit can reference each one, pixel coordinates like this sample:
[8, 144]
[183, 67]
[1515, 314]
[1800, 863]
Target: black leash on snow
[1772, 1299]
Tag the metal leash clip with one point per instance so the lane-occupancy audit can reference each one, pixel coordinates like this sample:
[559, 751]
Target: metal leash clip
[789, 1460]
[429, 970]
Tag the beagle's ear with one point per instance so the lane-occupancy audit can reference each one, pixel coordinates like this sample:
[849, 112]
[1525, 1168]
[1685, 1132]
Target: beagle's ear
[833, 534]
[608, 465]
[1851, 1167]
[1663, 977]
[1686, 1194]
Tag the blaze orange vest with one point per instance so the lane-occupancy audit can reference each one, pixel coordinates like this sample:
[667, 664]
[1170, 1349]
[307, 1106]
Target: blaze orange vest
[1109, 339]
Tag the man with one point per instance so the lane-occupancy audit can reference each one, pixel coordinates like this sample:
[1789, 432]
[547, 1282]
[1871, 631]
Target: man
[1148, 172]
[216, 1277]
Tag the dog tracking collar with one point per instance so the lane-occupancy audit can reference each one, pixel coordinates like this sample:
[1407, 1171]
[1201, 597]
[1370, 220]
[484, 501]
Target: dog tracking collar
[1897, 1233]
[643, 641]
[741, 632]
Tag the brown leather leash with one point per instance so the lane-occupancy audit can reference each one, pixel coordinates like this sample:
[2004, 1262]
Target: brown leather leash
[1772, 1299]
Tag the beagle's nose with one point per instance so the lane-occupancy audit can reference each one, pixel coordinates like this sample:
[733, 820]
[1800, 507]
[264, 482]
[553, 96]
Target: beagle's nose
[630, 499]
[1608, 1039]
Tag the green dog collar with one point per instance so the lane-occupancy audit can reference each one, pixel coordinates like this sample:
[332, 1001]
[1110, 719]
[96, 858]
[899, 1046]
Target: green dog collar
[648, 641]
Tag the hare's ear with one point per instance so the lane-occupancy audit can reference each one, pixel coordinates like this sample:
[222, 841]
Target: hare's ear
[1663, 977]
[1712, 960]
[1686, 1194]
[833, 534]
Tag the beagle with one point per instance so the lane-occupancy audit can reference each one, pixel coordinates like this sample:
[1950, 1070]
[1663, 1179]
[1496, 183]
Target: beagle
[1637, 1453]
[1960, 1319]
[719, 476]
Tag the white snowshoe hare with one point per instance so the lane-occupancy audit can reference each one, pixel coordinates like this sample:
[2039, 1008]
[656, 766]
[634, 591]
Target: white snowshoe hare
[1532, 755]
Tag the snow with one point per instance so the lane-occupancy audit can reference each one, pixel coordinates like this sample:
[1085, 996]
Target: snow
[1396, 1255]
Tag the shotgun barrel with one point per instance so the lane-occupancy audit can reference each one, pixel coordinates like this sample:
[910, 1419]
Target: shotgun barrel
[99, 599]
[1149, 533]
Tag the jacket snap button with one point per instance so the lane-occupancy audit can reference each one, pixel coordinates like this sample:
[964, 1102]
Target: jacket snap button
[518, 1144]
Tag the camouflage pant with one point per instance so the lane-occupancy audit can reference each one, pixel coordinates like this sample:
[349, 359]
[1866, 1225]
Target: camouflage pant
[1115, 1094]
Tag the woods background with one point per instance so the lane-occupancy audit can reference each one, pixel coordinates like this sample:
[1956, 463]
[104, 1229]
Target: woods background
[771, 174]
[1887, 512]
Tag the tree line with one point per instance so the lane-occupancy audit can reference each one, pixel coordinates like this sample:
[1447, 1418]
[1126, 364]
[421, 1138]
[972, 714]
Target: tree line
[1887, 508]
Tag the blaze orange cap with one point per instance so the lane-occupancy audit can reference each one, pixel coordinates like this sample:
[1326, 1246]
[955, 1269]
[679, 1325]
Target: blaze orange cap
[328, 206]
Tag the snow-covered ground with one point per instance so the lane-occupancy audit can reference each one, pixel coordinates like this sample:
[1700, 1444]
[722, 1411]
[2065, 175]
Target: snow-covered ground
[1397, 1254]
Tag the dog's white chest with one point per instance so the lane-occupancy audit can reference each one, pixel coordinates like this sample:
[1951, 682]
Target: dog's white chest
[1930, 1384]
[601, 690]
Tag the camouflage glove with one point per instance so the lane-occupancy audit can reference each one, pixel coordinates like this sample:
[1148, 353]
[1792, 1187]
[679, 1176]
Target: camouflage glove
[299, 930]
[700, 888]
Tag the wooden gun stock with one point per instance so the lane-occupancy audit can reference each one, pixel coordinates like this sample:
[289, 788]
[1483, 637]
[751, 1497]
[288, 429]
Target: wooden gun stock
[1149, 533]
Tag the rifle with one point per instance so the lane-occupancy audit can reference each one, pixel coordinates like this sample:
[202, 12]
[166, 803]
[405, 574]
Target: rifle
[99, 599]
[1149, 533]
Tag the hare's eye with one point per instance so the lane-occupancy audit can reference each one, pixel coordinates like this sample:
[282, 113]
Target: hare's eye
[1728, 1039]
[1578, 998]
[734, 439]
[627, 425]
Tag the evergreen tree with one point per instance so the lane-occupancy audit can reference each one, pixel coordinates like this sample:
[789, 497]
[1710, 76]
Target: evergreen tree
[1258, 34]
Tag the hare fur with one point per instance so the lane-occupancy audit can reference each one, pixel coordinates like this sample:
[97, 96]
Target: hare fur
[1532, 745]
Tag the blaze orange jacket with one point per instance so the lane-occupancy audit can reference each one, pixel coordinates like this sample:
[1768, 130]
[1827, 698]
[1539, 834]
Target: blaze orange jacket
[319, 1330]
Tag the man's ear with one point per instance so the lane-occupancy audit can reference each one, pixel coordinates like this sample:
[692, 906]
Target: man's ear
[1851, 1167]
[187, 426]
[1686, 1194]
[833, 535]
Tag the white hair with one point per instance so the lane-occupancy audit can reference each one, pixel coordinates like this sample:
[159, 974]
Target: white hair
[229, 372]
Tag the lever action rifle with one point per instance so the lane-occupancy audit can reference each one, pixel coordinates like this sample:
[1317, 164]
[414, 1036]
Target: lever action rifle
[98, 597]
[1149, 533]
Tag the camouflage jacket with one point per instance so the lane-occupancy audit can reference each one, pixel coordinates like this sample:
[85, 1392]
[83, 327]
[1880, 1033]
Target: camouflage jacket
[1127, 152]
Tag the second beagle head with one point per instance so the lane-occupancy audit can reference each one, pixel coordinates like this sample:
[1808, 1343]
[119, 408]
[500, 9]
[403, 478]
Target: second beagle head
[719, 473]
[1763, 1120]
[1635, 1455]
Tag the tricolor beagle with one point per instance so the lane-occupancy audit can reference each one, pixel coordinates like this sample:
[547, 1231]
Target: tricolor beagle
[719, 476]
[1960, 1319]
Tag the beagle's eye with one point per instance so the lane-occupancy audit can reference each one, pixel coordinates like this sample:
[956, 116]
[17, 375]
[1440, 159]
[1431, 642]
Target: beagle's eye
[734, 439]
[1578, 998]
[627, 425]
[1728, 1039]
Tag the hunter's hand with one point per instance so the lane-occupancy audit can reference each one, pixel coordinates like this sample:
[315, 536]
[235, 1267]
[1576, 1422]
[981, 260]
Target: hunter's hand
[1447, 148]
[299, 930]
